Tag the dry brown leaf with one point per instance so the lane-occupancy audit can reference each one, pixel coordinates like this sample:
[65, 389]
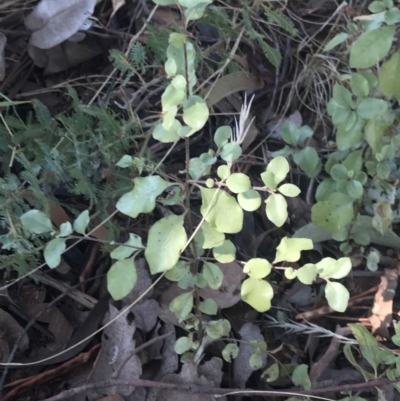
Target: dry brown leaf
[53, 22]
[117, 4]
[117, 344]
[241, 367]
[11, 330]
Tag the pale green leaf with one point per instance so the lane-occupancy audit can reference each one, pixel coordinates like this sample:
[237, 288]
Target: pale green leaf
[336, 40]
[290, 133]
[213, 275]
[255, 361]
[195, 113]
[53, 251]
[179, 271]
[332, 268]
[257, 268]
[257, 293]
[238, 183]
[197, 168]
[300, 377]
[182, 345]
[279, 167]
[36, 222]
[221, 210]
[276, 209]
[368, 345]
[359, 85]
[142, 199]
[222, 135]
[289, 190]
[307, 273]
[371, 47]
[208, 306]
[167, 136]
[308, 160]
[271, 374]
[231, 351]
[125, 161]
[290, 273]
[182, 305]
[121, 278]
[209, 237]
[371, 108]
[215, 329]
[65, 229]
[171, 98]
[223, 172]
[166, 239]
[388, 78]
[225, 253]
[337, 296]
[231, 152]
[134, 244]
[289, 249]
[249, 200]
[269, 180]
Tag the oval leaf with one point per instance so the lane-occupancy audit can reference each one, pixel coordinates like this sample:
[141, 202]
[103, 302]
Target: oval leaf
[53, 251]
[337, 296]
[36, 222]
[257, 268]
[167, 237]
[276, 209]
[257, 293]
[121, 278]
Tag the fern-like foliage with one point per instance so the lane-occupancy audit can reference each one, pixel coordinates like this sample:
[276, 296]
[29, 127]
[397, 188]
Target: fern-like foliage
[281, 20]
[51, 159]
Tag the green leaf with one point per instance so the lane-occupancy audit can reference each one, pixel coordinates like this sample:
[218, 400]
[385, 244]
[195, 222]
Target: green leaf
[36, 222]
[121, 278]
[308, 160]
[214, 329]
[377, 6]
[257, 268]
[276, 209]
[332, 215]
[362, 238]
[279, 18]
[389, 84]
[166, 239]
[354, 189]
[269, 180]
[336, 40]
[337, 296]
[350, 357]
[331, 268]
[133, 245]
[142, 199]
[290, 273]
[53, 251]
[65, 229]
[372, 261]
[300, 377]
[225, 253]
[367, 343]
[208, 306]
[221, 210]
[179, 271]
[359, 85]
[195, 113]
[290, 133]
[167, 135]
[371, 108]
[257, 293]
[222, 136]
[238, 183]
[289, 190]
[165, 2]
[374, 130]
[346, 139]
[354, 161]
[182, 305]
[392, 16]
[231, 152]
[307, 273]
[342, 96]
[125, 161]
[271, 374]
[231, 351]
[197, 168]
[171, 98]
[279, 167]
[249, 200]
[182, 345]
[289, 249]
[255, 361]
[383, 216]
[371, 47]
[209, 237]
[223, 172]
[213, 275]
[339, 172]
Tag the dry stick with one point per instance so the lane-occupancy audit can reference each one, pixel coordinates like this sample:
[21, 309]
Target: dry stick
[131, 43]
[220, 392]
[137, 350]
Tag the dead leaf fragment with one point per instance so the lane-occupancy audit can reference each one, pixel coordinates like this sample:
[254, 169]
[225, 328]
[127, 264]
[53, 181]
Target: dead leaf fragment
[53, 22]
[117, 4]
[3, 41]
